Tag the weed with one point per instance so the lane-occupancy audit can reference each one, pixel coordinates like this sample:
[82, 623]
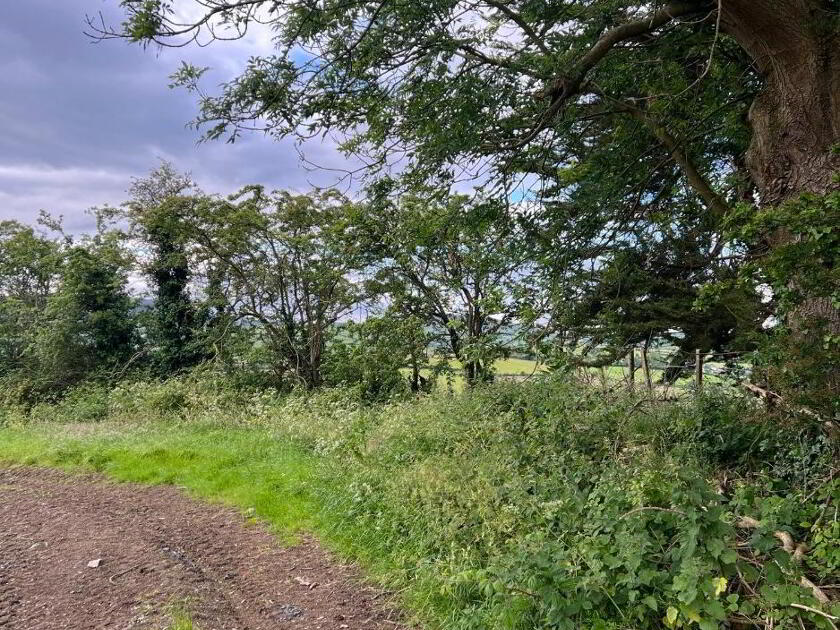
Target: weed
[181, 619]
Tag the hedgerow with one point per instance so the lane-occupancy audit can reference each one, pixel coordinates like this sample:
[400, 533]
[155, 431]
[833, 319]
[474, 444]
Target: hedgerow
[548, 504]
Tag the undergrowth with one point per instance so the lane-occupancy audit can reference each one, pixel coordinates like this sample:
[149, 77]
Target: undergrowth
[537, 505]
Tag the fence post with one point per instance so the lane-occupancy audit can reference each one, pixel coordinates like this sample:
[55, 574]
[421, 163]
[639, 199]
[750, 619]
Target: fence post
[631, 365]
[646, 369]
[698, 369]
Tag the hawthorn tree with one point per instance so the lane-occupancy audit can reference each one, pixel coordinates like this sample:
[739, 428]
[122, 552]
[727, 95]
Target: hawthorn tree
[283, 264]
[459, 265]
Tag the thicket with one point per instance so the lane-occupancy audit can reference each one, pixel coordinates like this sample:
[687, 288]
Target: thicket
[547, 504]
[283, 290]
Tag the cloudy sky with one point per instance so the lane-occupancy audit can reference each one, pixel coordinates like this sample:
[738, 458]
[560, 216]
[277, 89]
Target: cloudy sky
[78, 119]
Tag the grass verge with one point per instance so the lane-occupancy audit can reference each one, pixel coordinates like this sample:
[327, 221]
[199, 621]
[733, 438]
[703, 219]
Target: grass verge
[238, 466]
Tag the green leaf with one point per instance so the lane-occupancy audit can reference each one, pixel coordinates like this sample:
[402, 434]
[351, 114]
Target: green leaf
[715, 547]
[715, 609]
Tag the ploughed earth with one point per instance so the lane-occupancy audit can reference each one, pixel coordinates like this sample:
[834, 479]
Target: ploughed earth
[82, 552]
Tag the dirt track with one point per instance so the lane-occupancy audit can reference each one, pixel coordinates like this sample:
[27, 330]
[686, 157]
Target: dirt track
[159, 550]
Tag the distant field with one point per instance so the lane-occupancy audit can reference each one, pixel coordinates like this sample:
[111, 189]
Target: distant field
[613, 373]
[518, 366]
[504, 367]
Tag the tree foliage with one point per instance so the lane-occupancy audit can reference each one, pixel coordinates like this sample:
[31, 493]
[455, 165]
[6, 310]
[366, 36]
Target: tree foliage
[626, 120]
[461, 266]
[65, 314]
[156, 213]
[89, 328]
[286, 267]
[803, 352]
[373, 354]
[30, 266]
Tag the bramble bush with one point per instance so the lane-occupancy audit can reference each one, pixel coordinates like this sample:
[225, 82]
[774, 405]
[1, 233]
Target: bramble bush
[553, 506]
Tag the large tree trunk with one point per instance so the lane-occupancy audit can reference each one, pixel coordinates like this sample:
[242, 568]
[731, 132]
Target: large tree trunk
[795, 45]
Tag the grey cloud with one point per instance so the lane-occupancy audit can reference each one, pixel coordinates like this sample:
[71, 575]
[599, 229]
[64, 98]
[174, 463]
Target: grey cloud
[78, 119]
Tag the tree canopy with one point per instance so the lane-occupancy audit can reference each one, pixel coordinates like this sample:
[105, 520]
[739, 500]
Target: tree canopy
[626, 121]
[462, 266]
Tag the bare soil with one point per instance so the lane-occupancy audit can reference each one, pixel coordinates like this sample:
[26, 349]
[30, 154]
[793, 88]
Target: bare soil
[157, 551]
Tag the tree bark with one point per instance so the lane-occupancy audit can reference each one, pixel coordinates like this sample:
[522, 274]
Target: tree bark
[795, 45]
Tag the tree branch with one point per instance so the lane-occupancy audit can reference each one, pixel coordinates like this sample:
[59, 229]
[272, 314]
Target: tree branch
[526, 28]
[570, 84]
[635, 28]
[695, 178]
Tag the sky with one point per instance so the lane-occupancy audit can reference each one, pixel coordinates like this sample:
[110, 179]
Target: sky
[79, 119]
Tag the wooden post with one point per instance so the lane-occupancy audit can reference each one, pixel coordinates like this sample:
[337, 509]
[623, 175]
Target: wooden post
[698, 369]
[631, 365]
[646, 369]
